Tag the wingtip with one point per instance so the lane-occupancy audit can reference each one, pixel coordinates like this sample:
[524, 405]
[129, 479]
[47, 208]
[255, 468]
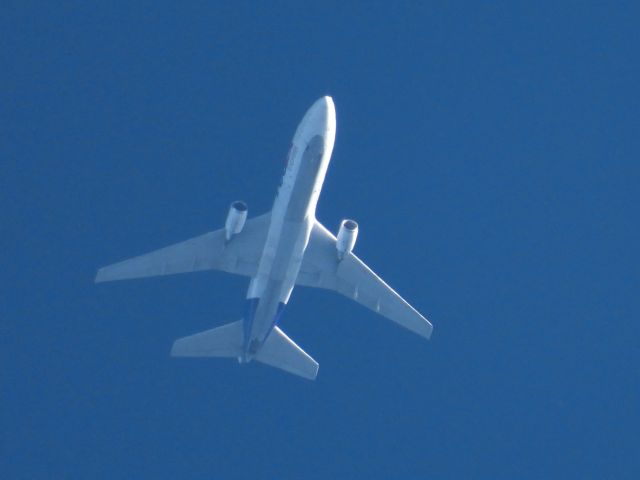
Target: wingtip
[99, 276]
[178, 348]
[428, 331]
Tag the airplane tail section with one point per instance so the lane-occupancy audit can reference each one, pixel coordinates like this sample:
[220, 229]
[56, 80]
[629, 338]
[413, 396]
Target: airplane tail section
[281, 352]
[224, 341]
[277, 351]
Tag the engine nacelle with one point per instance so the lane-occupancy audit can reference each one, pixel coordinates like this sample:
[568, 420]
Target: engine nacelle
[347, 236]
[235, 219]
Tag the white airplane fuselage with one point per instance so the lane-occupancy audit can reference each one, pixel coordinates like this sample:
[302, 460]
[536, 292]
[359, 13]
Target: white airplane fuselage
[292, 219]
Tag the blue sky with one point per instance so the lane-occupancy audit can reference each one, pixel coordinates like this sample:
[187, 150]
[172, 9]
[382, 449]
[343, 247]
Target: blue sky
[490, 155]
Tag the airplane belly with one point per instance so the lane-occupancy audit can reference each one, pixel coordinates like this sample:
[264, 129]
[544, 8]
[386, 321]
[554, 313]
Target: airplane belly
[292, 219]
[310, 173]
[281, 278]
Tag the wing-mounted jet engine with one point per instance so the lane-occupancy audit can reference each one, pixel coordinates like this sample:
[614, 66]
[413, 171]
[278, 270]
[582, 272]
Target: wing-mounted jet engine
[235, 219]
[347, 236]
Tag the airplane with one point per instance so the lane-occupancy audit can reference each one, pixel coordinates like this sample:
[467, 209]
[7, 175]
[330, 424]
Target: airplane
[278, 250]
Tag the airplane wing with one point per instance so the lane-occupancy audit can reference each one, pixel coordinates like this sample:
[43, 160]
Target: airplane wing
[205, 252]
[353, 279]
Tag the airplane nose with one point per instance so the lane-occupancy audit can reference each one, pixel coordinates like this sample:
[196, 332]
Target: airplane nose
[320, 119]
[324, 106]
[318, 110]
[325, 102]
[322, 113]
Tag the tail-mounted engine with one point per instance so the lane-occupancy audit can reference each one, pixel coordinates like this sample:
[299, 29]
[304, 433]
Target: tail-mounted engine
[235, 219]
[346, 237]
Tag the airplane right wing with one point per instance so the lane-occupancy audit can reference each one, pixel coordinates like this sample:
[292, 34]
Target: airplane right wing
[353, 279]
[206, 252]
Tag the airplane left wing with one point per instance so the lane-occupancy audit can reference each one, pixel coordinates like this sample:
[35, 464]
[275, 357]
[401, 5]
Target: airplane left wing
[353, 279]
[205, 252]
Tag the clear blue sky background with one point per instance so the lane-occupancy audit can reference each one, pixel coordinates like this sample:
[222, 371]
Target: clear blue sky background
[490, 155]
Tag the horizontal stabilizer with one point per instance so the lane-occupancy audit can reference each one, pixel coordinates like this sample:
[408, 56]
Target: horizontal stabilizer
[224, 341]
[281, 352]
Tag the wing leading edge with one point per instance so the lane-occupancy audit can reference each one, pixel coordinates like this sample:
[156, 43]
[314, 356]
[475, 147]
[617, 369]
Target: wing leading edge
[205, 252]
[353, 279]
